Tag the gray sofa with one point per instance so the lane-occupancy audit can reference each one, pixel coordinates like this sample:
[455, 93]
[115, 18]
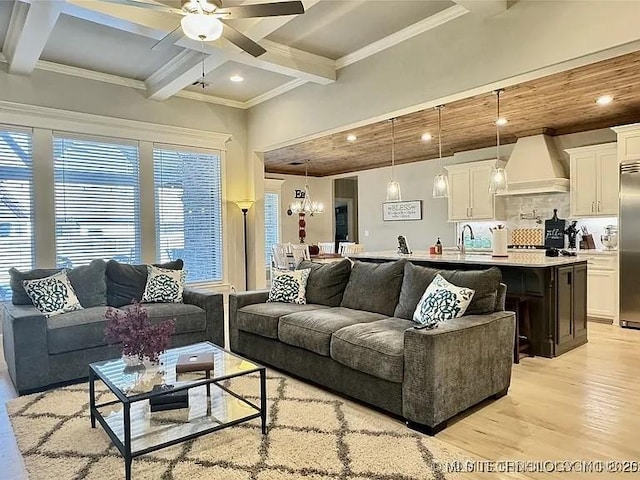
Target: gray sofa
[355, 336]
[42, 352]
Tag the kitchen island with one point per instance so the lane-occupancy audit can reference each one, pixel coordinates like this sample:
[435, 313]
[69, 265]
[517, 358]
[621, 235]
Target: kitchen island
[555, 288]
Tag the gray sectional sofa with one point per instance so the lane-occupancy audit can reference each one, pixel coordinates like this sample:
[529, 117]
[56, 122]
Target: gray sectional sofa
[42, 352]
[355, 336]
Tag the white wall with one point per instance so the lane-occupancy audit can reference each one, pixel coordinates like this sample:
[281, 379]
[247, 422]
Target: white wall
[451, 61]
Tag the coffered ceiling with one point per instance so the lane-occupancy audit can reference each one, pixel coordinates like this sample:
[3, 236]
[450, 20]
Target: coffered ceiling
[558, 104]
[116, 42]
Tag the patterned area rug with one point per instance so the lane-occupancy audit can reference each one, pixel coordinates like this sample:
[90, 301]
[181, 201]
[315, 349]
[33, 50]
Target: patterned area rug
[312, 434]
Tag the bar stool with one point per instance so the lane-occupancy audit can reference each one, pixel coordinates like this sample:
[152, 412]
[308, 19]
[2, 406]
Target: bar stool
[520, 304]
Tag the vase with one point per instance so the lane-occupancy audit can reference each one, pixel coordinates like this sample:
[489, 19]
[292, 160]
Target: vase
[131, 361]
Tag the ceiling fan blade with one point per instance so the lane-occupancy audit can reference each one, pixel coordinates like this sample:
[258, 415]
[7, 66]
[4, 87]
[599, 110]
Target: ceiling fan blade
[169, 39]
[262, 10]
[147, 4]
[241, 40]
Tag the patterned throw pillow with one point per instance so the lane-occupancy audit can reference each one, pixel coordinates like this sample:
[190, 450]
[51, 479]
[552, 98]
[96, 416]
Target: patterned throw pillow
[52, 295]
[164, 285]
[289, 286]
[442, 301]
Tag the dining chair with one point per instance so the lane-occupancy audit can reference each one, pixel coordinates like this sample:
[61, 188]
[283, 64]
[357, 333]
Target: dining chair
[279, 252]
[327, 247]
[300, 252]
[343, 245]
[352, 249]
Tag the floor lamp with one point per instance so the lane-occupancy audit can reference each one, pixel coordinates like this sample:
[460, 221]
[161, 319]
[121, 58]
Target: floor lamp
[245, 205]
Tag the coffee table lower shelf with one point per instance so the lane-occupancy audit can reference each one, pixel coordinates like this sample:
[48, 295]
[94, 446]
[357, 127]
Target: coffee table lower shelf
[135, 431]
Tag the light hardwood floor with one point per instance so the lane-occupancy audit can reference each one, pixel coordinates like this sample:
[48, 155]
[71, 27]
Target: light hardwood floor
[580, 406]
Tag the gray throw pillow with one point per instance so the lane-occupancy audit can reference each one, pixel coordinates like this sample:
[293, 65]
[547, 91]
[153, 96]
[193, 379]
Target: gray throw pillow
[327, 281]
[484, 282]
[374, 287]
[87, 280]
[414, 284]
[126, 283]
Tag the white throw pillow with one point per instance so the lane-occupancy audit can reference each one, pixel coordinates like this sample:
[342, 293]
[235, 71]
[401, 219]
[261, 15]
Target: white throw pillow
[442, 301]
[164, 285]
[289, 286]
[52, 295]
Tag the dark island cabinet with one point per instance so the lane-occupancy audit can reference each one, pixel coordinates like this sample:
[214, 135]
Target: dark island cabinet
[571, 301]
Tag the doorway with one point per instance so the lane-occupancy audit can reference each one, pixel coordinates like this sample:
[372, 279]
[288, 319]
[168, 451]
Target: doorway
[345, 207]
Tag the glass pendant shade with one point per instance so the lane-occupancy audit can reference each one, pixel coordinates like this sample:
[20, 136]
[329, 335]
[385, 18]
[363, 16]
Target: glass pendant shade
[498, 180]
[440, 186]
[393, 191]
[201, 27]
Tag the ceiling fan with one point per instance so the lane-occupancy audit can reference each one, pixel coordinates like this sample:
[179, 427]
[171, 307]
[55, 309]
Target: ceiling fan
[205, 20]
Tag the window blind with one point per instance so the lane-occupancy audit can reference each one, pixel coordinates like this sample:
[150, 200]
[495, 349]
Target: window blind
[16, 218]
[188, 192]
[97, 200]
[271, 224]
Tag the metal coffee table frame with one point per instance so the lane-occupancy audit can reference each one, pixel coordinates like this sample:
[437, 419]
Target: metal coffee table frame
[125, 446]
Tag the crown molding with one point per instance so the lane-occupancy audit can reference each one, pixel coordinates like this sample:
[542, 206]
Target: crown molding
[36, 116]
[275, 92]
[411, 31]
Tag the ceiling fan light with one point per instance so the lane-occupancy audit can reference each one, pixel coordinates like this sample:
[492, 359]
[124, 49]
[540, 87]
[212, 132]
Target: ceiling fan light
[201, 27]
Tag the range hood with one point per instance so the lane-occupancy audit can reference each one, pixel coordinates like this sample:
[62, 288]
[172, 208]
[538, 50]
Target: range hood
[535, 167]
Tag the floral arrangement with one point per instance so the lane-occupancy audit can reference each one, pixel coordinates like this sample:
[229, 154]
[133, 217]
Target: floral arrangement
[138, 336]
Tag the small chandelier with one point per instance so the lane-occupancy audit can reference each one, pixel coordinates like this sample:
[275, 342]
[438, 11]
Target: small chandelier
[393, 187]
[498, 176]
[440, 181]
[306, 206]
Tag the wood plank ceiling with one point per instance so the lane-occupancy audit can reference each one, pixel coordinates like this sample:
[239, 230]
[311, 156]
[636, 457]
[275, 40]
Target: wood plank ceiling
[559, 104]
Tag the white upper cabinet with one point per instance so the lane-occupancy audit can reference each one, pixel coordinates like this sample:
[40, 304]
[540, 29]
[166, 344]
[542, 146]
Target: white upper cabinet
[594, 180]
[469, 197]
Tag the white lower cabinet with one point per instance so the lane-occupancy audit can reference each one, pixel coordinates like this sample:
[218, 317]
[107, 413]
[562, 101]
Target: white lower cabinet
[602, 286]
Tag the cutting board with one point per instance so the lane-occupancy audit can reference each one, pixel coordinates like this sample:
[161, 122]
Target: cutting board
[554, 231]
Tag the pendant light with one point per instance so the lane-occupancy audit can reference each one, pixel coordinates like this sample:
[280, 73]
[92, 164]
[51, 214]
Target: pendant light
[393, 187]
[498, 178]
[440, 181]
[306, 206]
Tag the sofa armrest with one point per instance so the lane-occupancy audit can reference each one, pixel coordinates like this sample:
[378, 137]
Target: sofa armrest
[501, 299]
[213, 304]
[456, 365]
[24, 340]
[236, 302]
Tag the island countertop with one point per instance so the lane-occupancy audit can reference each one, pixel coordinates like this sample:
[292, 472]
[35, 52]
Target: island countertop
[515, 259]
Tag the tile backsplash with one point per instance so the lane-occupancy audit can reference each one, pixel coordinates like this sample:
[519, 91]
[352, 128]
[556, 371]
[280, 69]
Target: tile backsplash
[541, 206]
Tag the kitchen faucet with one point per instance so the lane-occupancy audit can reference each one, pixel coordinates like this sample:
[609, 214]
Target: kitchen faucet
[461, 245]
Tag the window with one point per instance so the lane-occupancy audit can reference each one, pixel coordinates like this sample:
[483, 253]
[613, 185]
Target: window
[188, 192]
[16, 234]
[97, 200]
[271, 225]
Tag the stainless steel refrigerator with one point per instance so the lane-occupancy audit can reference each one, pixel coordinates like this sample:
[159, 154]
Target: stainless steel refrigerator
[629, 244]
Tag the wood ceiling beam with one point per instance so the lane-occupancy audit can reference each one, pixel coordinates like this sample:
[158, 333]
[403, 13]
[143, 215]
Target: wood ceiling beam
[30, 26]
[168, 81]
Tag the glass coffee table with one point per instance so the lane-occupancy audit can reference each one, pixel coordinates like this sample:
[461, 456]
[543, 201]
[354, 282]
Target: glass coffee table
[135, 431]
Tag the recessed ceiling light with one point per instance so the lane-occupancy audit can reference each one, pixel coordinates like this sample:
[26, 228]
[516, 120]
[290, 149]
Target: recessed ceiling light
[604, 100]
[426, 137]
[501, 121]
[236, 78]
[351, 138]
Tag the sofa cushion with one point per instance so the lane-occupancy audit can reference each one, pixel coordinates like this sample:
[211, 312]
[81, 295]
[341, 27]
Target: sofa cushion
[262, 318]
[188, 318]
[312, 330]
[415, 281]
[126, 283]
[375, 348]
[88, 282]
[327, 281]
[77, 330]
[484, 282]
[442, 301]
[374, 287]
[52, 295]
[85, 328]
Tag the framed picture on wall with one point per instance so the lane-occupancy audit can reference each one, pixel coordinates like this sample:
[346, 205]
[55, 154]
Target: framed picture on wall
[399, 211]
